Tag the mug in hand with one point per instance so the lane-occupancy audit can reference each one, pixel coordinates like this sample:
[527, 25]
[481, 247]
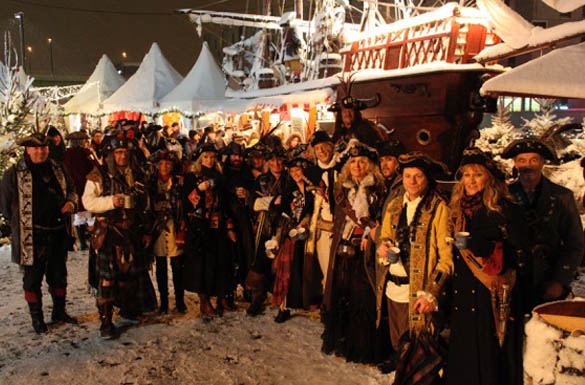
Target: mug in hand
[393, 254]
[211, 183]
[128, 202]
[462, 240]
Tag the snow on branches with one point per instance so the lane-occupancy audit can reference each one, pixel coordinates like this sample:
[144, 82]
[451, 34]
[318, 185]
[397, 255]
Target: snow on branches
[17, 103]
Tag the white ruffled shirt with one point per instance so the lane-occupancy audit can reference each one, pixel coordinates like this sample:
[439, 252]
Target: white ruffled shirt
[399, 293]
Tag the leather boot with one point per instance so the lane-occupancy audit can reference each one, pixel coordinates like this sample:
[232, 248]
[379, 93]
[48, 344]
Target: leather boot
[207, 310]
[59, 314]
[162, 281]
[177, 267]
[257, 306]
[81, 234]
[36, 314]
[107, 328]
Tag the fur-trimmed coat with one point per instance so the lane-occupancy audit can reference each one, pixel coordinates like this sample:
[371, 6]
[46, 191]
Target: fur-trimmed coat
[346, 193]
[431, 256]
[16, 205]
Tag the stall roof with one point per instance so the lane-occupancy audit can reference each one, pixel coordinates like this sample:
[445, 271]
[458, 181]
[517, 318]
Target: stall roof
[155, 78]
[557, 74]
[205, 81]
[102, 83]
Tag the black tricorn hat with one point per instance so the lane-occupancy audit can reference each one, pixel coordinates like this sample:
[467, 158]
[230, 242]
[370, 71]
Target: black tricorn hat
[171, 156]
[522, 146]
[34, 140]
[205, 147]
[390, 148]
[433, 169]
[234, 148]
[319, 137]
[474, 155]
[298, 161]
[257, 150]
[114, 142]
[360, 149]
[78, 135]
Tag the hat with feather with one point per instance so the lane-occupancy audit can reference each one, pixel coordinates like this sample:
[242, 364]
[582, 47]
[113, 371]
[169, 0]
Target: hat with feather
[349, 101]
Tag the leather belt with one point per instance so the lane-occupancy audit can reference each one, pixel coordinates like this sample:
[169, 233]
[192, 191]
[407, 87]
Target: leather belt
[325, 225]
[398, 281]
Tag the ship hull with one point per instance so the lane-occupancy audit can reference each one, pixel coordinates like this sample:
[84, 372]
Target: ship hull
[437, 113]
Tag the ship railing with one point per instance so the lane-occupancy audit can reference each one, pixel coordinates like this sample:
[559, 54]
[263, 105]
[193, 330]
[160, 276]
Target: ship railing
[451, 40]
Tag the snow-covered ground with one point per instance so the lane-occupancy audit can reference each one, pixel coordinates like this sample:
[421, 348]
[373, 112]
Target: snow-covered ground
[173, 349]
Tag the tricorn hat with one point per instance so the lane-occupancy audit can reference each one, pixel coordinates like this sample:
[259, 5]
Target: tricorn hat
[319, 137]
[474, 155]
[36, 139]
[234, 148]
[78, 135]
[171, 156]
[298, 161]
[390, 148]
[348, 101]
[522, 146]
[433, 169]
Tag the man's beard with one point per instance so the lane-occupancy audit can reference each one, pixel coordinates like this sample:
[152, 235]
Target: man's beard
[236, 165]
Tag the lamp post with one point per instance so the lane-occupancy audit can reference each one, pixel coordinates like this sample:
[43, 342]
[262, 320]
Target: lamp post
[20, 17]
[50, 41]
[29, 51]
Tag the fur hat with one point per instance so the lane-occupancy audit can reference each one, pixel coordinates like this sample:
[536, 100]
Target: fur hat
[432, 168]
[475, 156]
[522, 146]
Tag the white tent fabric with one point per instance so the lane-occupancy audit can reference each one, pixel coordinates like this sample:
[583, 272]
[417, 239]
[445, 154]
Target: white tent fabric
[205, 82]
[554, 75]
[506, 22]
[155, 78]
[102, 83]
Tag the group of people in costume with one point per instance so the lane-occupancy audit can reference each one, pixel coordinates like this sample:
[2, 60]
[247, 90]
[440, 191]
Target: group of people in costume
[350, 224]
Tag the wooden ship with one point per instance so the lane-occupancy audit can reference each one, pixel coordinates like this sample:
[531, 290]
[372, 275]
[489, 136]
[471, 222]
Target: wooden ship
[421, 65]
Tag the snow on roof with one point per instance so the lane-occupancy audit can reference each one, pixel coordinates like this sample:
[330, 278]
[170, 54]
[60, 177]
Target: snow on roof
[102, 83]
[538, 37]
[564, 6]
[204, 81]
[363, 75]
[506, 23]
[556, 74]
[155, 78]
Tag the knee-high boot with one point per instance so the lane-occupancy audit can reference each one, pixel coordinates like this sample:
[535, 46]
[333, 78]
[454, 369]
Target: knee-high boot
[162, 281]
[59, 314]
[177, 266]
[106, 310]
[35, 306]
[81, 234]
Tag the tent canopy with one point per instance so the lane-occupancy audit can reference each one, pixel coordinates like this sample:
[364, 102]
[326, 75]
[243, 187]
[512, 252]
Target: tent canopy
[554, 75]
[155, 78]
[205, 82]
[102, 83]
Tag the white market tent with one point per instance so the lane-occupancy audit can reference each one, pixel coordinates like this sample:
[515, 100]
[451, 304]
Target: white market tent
[203, 86]
[155, 78]
[557, 74]
[102, 83]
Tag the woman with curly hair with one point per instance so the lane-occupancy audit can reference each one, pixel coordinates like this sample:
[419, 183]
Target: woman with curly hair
[349, 311]
[483, 346]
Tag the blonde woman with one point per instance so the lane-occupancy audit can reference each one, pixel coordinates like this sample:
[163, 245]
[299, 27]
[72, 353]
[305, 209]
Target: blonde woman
[349, 303]
[483, 342]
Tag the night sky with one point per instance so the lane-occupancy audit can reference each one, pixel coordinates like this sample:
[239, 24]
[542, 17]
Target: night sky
[80, 37]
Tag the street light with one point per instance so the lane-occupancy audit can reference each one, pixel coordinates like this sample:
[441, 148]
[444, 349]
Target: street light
[29, 50]
[124, 55]
[50, 41]
[20, 17]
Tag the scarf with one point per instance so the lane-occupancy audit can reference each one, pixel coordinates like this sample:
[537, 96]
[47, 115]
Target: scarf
[470, 204]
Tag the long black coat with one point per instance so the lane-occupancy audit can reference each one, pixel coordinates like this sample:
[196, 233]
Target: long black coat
[475, 356]
[208, 265]
[556, 240]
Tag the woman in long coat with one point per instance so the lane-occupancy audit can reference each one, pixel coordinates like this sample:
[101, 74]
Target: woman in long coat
[289, 285]
[349, 301]
[484, 341]
[208, 264]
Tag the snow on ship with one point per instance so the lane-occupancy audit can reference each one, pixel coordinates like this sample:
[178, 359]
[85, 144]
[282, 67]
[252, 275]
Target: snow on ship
[423, 65]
